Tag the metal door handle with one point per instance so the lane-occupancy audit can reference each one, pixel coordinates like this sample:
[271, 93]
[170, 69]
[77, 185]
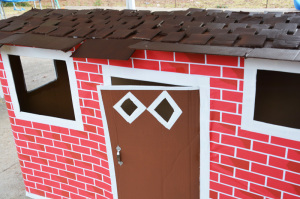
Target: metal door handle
[119, 156]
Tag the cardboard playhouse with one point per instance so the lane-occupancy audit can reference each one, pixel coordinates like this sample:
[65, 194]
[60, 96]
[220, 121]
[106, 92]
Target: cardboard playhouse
[155, 105]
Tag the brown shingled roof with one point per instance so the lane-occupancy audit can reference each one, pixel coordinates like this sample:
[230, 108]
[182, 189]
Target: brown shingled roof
[189, 29]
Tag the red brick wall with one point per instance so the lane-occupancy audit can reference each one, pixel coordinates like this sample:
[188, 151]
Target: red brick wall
[61, 163]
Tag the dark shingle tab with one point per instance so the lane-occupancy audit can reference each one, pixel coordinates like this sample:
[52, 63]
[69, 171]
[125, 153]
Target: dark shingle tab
[224, 39]
[252, 41]
[191, 26]
[146, 34]
[173, 37]
[197, 39]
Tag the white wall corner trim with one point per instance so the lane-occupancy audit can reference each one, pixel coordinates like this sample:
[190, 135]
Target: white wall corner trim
[34, 196]
[191, 82]
[248, 123]
[49, 54]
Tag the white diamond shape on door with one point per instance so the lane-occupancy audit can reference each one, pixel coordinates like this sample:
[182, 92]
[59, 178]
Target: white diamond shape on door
[129, 107]
[165, 110]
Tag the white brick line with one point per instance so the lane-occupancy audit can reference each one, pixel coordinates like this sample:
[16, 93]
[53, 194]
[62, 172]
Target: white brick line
[235, 151]
[204, 64]
[227, 122]
[248, 187]
[174, 57]
[237, 132]
[283, 192]
[225, 89]
[238, 84]
[232, 102]
[233, 191]
[254, 192]
[266, 181]
[229, 185]
[273, 154]
[286, 153]
[284, 174]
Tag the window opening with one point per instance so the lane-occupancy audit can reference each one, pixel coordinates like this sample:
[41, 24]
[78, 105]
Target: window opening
[165, 110]
[38, 72]
[50, 99]
[133, 107]
[277, 98]
[128, 106]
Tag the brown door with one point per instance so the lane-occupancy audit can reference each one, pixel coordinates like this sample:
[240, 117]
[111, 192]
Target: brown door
[158, 135]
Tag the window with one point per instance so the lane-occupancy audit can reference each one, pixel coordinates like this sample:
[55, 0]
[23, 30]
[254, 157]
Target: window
[271, 98]
[51, 99]
[38, 72]
[43, 86]
[278, 98]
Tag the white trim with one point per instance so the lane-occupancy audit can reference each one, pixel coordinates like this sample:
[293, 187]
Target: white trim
[176, 114]
[148, 88]
[49, 54]
[34, 196]
[1, 91]
[108, 148]
[248, 123]
[137, 112]
[201, 82]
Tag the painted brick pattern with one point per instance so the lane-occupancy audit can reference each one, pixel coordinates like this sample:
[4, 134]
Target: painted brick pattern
[64, 163]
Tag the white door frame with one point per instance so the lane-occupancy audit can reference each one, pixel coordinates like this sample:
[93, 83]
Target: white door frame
[201, 82]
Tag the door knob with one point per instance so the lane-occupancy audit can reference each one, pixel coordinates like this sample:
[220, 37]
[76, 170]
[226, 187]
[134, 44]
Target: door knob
[119, 156]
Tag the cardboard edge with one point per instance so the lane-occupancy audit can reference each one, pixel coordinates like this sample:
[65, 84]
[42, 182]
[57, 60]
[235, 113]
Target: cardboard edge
[262, 53]
[188, 48]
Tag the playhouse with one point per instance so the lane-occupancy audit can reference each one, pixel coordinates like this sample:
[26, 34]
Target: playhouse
[155, 105]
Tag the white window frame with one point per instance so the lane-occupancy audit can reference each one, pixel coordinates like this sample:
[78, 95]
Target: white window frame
[176, 110]
[201, 82]
[248, 122]
[140, 108]
[76, 124]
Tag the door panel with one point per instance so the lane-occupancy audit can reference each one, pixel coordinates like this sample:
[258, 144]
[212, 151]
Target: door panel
[158, 163]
